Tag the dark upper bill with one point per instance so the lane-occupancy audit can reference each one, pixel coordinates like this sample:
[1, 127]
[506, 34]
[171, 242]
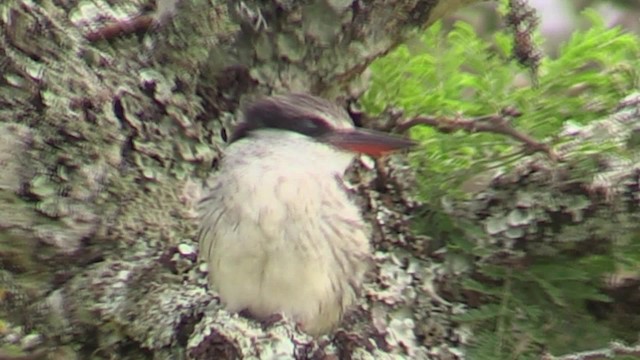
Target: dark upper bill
[366, 141]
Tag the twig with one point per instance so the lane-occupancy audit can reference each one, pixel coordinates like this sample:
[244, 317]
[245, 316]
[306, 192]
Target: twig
[165, 10]
[496, 123]
[116, 29]
[615, 349]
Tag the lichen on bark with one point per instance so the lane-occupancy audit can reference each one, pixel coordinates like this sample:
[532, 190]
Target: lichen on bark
[105, 146]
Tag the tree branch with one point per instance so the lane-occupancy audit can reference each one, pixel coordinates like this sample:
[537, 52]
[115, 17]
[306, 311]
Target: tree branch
[499, 123]
[614, 350]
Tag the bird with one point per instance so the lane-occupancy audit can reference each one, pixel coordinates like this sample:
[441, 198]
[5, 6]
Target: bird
[277, 228]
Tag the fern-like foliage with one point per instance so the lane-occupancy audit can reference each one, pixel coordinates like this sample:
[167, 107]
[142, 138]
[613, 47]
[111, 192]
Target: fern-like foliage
[539, 240]
[459, 73]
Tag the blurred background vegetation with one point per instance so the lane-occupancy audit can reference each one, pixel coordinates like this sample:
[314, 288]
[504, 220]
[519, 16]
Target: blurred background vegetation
[558, 18]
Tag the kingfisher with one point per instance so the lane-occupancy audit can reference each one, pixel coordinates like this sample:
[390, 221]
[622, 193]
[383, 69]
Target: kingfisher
[277, 228]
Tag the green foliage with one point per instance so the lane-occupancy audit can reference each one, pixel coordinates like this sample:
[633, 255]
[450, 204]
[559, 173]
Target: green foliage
[545, 301]
[459, 73]
[544, 304]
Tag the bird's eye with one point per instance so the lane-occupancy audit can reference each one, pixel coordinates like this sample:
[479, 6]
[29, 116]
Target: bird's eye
[311, 126]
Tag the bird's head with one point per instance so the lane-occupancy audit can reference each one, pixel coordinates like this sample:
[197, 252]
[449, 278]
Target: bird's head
[318, 119]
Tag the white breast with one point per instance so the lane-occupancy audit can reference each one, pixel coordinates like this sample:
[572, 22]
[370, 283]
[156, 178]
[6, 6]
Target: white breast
[279, 232]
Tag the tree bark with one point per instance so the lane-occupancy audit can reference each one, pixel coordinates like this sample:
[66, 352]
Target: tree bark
[104, 147]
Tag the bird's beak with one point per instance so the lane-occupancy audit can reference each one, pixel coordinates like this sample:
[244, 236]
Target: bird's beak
[366, 141]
